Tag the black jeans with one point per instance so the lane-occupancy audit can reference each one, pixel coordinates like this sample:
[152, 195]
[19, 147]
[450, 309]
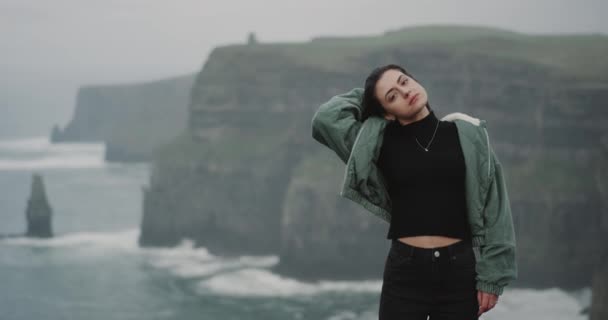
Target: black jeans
[436, 282]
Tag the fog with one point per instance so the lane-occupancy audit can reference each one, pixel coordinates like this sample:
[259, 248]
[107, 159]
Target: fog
[49, 49]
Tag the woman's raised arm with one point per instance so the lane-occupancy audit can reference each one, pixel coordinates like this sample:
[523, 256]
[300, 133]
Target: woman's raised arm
[336, 123]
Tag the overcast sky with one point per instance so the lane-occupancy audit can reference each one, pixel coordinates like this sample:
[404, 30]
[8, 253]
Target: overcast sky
[49, 48]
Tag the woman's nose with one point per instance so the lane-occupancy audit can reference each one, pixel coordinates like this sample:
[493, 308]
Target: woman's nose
[405, 92]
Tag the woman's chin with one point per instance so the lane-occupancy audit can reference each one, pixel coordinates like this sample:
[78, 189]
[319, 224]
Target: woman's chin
[420, 107]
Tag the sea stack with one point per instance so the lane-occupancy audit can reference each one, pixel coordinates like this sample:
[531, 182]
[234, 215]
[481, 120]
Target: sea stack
[38, 212]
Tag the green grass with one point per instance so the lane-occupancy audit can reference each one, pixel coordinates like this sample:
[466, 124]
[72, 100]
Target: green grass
[579, 56]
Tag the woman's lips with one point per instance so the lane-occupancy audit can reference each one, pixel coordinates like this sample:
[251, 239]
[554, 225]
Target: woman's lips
[413, 99]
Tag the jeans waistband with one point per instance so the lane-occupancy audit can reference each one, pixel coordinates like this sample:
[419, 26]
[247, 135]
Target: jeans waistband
[431, 254]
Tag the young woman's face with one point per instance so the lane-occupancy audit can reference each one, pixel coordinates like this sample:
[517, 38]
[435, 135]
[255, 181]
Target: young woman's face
[395, 91]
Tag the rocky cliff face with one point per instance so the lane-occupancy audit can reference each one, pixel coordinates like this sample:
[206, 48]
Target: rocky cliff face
[599, 288]
[131, 119]
[223, 182]
[324, 235]
[246, 177]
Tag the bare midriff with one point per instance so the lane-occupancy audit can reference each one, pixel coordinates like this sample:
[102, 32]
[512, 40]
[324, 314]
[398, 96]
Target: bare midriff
[429, 241]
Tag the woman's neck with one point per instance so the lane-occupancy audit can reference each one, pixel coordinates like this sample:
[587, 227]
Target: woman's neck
[423, 127]
[419, 116]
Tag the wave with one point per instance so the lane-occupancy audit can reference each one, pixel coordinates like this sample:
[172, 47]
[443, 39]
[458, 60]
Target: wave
[124, 240]
[40, 153]
[249, 276]
[244, 275]
[260, 282]
[515, 303]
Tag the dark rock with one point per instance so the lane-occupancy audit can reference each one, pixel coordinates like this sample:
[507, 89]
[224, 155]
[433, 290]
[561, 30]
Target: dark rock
[38, 212]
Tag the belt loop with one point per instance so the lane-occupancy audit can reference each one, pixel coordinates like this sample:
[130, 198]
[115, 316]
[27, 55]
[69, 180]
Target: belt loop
[411, 251]
[451, 249]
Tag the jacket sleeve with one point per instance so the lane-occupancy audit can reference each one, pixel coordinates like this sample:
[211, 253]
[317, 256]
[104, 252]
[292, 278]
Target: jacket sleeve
[336, 122]
[497, 266]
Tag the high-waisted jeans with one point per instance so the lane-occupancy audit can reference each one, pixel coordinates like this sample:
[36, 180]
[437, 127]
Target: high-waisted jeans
[438, 283]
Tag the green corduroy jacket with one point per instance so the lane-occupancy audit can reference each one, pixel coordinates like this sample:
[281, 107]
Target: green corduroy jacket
[337, 125]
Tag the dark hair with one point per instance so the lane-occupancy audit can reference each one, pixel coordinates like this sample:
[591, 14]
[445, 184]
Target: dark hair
[370, 103]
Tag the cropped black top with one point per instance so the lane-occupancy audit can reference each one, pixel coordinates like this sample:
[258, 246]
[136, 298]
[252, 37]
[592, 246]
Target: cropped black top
[426, 187]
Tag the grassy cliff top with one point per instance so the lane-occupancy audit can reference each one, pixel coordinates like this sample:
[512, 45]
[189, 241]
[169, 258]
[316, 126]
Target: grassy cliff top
[581, 56]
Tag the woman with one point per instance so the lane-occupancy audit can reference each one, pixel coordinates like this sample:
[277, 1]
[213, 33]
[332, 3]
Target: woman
[439, 185]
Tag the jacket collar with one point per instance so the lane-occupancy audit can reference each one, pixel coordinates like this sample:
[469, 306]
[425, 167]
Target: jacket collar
[461, 116]
[468, 129]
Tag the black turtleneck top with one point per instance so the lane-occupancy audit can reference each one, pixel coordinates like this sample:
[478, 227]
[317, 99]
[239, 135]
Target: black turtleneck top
[426, 187]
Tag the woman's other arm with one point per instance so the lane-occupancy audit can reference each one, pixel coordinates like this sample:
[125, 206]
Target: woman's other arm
[497, 266]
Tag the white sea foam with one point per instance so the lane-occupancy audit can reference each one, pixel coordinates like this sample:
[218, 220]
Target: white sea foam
[515, 303]
[552, 303]
[184, 260]
[123, 240]
[40, 153]
[249, 276]
[261, 282]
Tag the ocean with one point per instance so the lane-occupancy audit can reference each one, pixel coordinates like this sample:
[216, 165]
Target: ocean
[93, 268]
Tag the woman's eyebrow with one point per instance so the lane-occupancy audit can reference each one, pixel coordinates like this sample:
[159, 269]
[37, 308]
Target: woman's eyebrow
[391, 89]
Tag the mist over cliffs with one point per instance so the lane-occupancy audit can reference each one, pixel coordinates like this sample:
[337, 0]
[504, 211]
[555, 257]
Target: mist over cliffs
[132, 119]
[244, 176]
